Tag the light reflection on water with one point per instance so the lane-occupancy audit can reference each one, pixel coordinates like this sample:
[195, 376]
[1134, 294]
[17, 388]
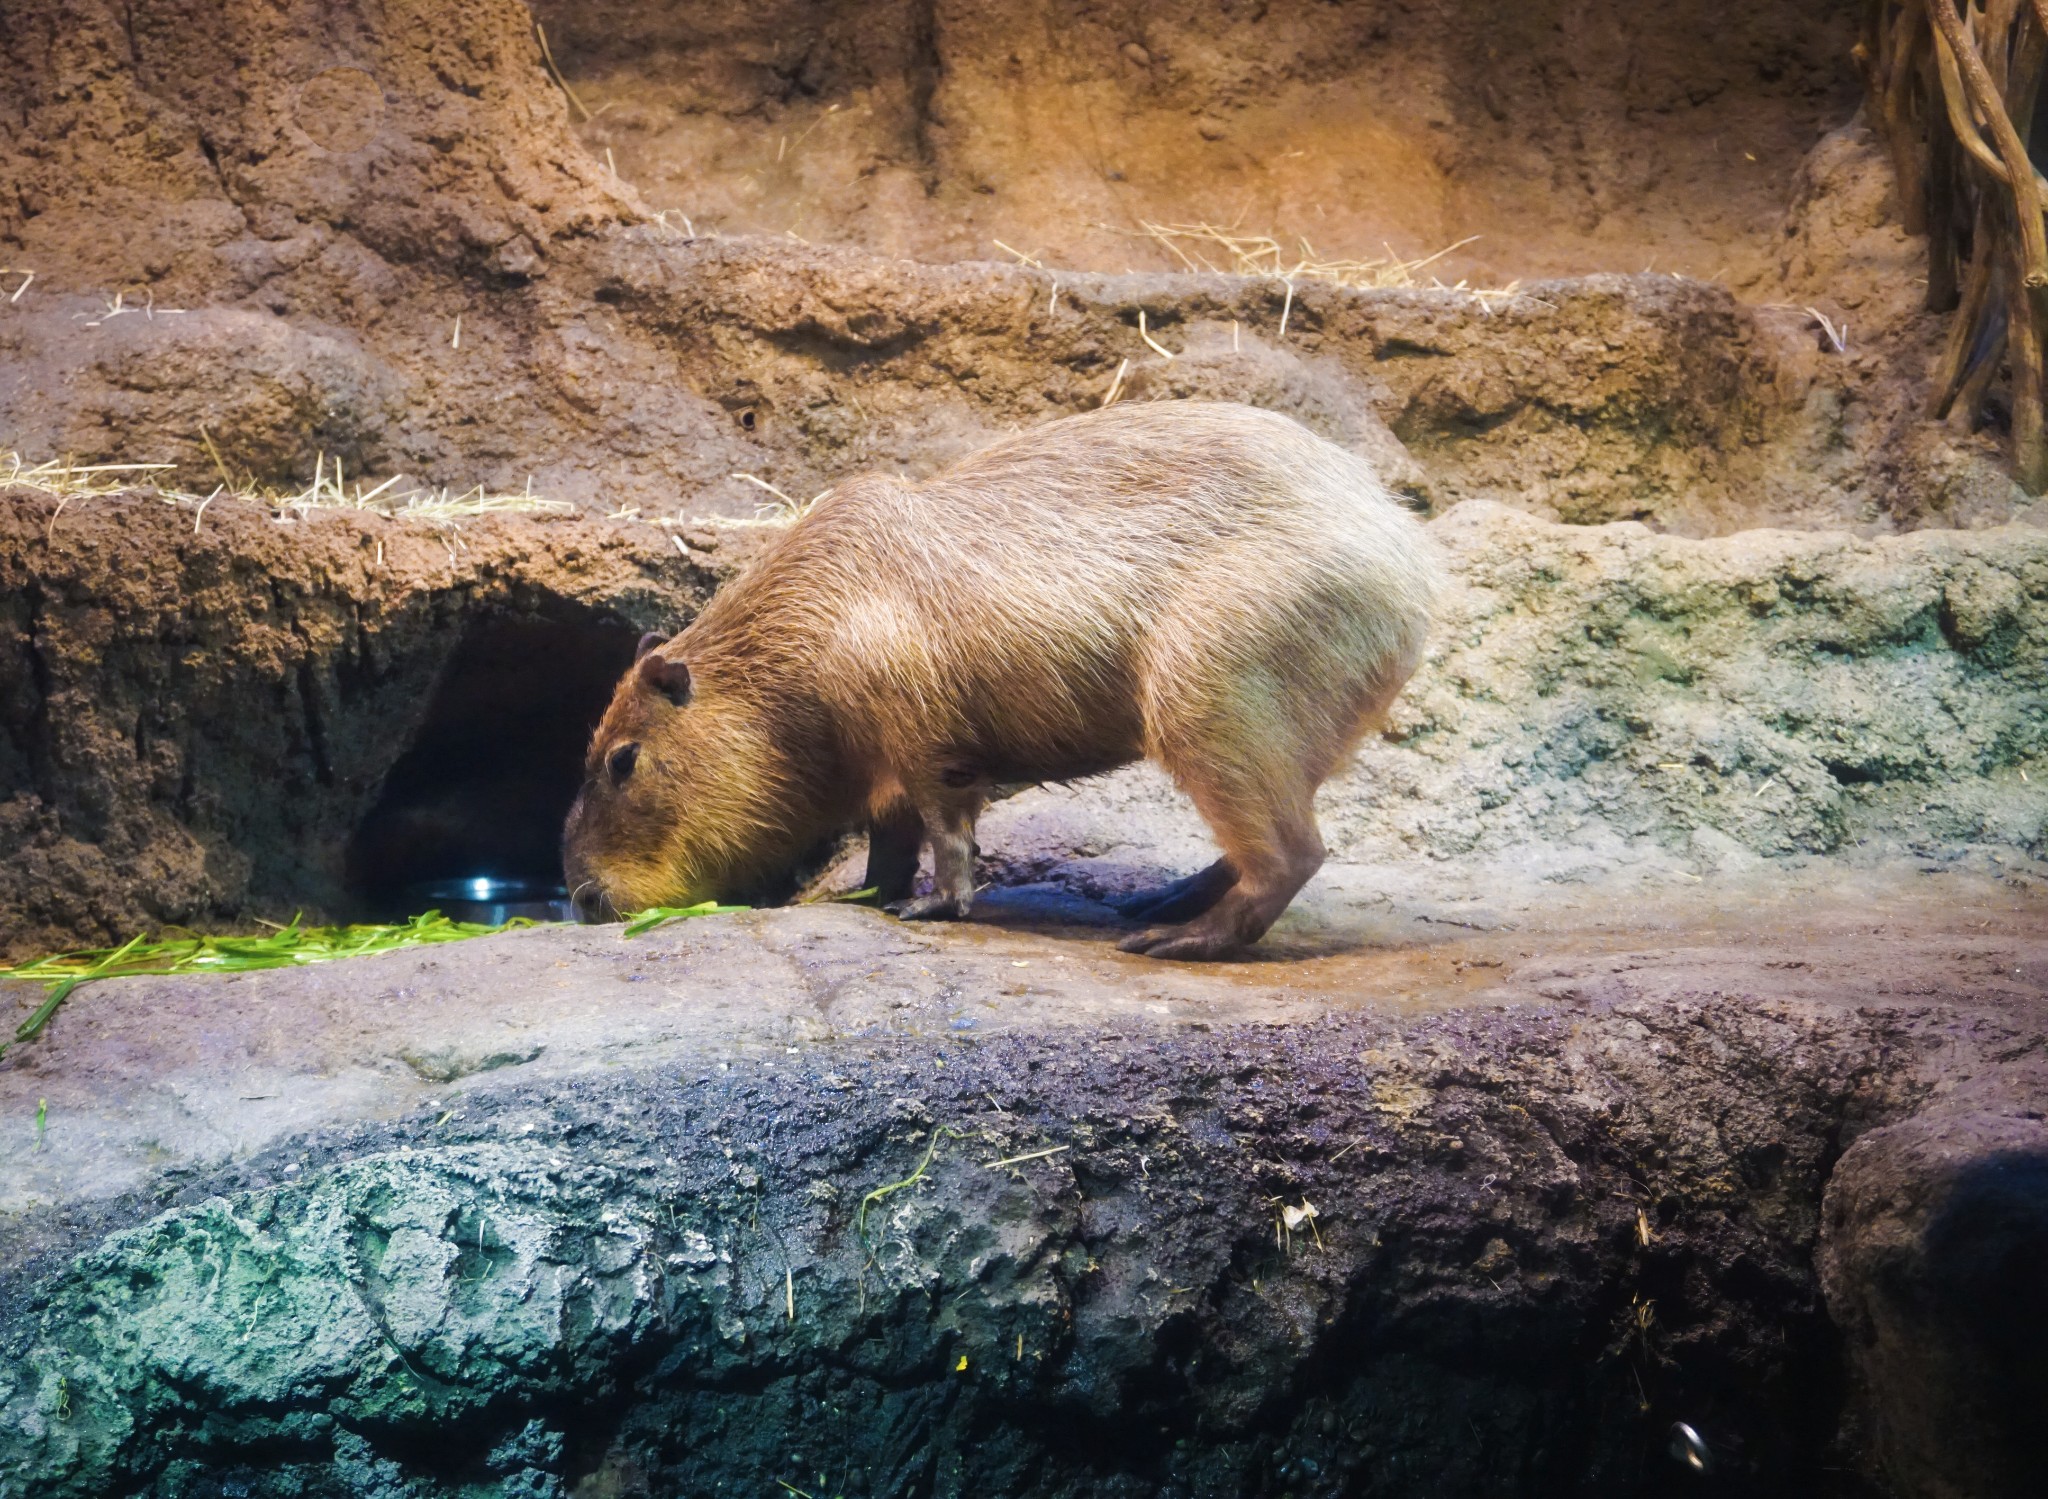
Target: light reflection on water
[491, 900]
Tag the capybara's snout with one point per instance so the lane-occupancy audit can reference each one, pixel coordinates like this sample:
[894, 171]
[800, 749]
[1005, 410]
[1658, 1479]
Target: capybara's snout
[587, 895]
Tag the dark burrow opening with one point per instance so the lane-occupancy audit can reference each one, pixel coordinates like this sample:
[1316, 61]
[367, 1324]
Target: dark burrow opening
[470, 816]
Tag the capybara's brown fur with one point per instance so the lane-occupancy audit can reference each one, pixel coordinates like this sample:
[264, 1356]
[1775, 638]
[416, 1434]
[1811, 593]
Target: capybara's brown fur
[1203, 584]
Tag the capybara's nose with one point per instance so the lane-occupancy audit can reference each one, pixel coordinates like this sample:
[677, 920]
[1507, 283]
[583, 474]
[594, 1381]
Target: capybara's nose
[591, 904]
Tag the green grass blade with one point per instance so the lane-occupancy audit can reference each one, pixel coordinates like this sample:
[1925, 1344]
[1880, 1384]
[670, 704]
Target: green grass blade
[59, 992]
[654, 916]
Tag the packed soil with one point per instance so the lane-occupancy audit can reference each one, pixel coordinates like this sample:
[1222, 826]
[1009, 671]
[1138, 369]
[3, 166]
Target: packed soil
[379, 240]
[1544, 139]
[213, 716]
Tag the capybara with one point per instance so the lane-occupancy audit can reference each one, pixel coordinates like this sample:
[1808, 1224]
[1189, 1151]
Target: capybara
[1199, 583]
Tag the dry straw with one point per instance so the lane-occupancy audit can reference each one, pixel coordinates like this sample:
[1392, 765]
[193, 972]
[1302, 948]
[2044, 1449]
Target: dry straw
[331, 489]
[1229, 250]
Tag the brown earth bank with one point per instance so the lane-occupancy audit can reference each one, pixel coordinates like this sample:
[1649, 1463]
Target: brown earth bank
[215, 714]
[375, 238]
[1560, 138]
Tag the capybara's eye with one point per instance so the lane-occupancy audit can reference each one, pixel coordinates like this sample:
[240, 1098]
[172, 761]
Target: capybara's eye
[620, 762]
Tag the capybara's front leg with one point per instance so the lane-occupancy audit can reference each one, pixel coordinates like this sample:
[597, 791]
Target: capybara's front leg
[949, 827]
[894, 842]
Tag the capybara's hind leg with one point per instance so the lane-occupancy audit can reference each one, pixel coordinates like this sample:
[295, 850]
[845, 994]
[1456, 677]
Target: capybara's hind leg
[1275, 848]
[894, 842]
[1184, 899]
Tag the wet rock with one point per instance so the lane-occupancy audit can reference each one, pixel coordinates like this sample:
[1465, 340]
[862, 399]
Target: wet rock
[1540, 1234]
[1931, 1252]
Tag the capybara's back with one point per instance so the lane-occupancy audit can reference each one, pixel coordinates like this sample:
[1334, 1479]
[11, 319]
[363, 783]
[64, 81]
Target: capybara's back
[1202, 583]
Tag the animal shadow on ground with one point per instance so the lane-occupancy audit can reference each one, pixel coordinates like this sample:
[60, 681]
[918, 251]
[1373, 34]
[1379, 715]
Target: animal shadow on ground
[1053, 909]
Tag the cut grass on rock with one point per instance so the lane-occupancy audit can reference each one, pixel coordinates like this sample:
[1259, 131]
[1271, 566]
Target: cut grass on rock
[654, 916]
[286, 947]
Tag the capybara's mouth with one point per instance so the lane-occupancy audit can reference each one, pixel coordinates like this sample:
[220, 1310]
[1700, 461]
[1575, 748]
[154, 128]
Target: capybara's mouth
[594, 905]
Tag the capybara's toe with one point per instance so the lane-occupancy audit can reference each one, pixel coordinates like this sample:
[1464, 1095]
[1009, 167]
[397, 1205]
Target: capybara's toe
[1192, 949]
[1186, 944]
[1170, 942]
[933, 907]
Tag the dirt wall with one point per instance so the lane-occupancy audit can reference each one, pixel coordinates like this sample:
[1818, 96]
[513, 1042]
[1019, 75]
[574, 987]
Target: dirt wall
[198, 713]
[376, 238]
[1567, 137]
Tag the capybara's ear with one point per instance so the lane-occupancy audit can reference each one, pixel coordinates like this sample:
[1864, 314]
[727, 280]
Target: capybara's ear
[667, 676]
[648, 642]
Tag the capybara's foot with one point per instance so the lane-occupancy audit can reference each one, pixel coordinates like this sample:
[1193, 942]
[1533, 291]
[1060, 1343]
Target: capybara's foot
[933, 907]
[1196, 942]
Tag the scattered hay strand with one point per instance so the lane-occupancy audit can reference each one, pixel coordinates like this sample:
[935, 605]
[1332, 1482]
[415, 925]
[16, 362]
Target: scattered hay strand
[860, 1222]
[26, 277]
[220, 465]
[1836, 334]
[760, 483]
[660, 217]
[786, 507]
[1116, 385]
[1208, 247]
[1029, 1155]
[1156, 345]
[1203, 247]
[119, 306]
[805, 134]
[328, 491]
[548, 56]
[1024, 257]
[71, 480]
